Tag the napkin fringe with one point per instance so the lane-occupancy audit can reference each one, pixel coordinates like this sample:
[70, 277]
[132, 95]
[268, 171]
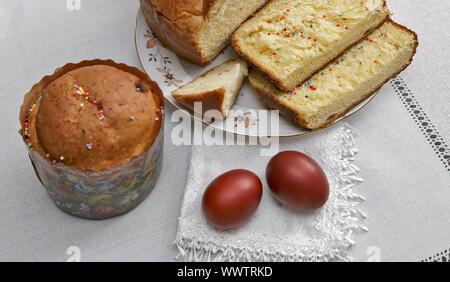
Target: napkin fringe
[346, 217]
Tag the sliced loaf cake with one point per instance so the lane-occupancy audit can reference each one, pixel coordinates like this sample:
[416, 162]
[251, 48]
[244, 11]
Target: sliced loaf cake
[197, 29]
[347, 81]
[289, 40]
[217, 89]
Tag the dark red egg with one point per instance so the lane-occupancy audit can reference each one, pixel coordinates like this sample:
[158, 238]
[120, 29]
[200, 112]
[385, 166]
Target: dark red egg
[297, 181]
[232, 198]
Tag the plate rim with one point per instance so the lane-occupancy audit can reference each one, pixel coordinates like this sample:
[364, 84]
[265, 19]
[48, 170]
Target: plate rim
[362, 105]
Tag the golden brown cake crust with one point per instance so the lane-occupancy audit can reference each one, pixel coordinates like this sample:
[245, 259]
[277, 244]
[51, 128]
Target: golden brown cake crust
[177, 22]
[94, 117]
[211, 100]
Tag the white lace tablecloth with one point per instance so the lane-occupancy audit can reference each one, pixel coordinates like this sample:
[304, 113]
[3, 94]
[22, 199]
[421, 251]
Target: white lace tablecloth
[403, 138]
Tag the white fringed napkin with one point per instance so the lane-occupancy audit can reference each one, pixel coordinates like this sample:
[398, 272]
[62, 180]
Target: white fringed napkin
[275, 233]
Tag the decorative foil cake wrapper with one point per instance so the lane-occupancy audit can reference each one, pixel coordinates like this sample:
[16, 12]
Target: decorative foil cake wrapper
[101, 194]
[97, 194]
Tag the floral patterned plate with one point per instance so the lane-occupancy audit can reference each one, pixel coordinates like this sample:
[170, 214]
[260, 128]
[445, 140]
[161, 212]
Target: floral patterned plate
[170, 71]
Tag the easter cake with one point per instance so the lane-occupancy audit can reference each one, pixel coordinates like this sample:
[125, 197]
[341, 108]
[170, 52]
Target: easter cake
[197, 30]
[217, 89]
[346, 81]
[290, 40]
[94, 135]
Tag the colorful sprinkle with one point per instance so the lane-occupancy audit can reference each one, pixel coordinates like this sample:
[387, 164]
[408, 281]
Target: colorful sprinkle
[27, 134]
[81, 92]
[131, 118]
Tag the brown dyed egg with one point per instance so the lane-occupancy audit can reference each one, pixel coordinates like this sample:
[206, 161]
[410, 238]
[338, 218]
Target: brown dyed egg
[232, 198]
[297, 181]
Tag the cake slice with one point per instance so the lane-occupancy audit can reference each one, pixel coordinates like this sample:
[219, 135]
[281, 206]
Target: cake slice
[217, 89]
[289, 40]
[344, 83]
